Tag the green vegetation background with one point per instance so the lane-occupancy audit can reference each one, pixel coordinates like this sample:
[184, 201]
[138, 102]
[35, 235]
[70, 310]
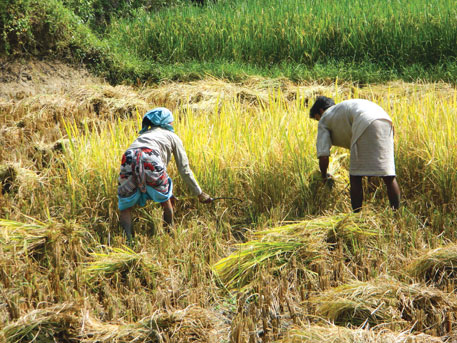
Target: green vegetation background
[153, 40]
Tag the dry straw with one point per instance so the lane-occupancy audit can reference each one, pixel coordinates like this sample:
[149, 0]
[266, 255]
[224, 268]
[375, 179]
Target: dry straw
[118, 261]
[45, 325]
[385, 302]
[192, 324]
[337, 334]
[69, 322]
[21, 238]
[438, 266]
[306, 242]
[16, 179]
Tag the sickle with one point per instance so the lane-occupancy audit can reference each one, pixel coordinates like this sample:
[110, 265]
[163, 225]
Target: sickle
[227, 198]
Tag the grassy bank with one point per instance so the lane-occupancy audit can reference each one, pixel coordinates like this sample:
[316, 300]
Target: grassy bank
[360, 41]
[261, 33]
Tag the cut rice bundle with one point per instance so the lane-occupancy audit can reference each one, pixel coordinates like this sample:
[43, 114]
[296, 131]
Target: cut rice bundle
[337, 334]
[438, 266]
[390, 302]
[306, 242]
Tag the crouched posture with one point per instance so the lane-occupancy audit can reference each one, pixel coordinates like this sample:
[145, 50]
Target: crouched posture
[143, 174]
[366, 129]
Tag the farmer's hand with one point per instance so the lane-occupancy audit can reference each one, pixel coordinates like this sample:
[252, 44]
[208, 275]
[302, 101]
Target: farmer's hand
[204, 198]
[329, 181]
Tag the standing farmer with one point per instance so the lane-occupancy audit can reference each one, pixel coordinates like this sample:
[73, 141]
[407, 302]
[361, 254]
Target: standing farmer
[143, 175]
[366, 129]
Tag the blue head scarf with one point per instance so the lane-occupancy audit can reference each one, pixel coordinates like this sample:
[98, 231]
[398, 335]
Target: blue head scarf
[159, 116]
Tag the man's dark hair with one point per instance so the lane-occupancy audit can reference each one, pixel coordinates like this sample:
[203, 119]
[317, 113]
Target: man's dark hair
[321, 102]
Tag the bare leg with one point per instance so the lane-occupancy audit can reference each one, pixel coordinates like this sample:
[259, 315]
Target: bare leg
[393, 191]
[356, 192]
[167, 214]
[125, 219]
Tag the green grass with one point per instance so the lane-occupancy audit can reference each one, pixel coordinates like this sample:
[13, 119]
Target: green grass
[360, 41]
[353, 40]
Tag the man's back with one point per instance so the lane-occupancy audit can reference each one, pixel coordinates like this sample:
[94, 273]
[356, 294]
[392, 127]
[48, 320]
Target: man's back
[345, 122]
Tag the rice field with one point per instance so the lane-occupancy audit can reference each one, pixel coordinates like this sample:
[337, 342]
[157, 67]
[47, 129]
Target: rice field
[290, 263]
[304, 40]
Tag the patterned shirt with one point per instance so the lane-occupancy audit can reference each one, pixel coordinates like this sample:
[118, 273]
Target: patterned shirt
[168, 144]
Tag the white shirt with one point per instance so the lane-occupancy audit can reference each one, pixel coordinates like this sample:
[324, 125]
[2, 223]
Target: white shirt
[167, 144]
[343, 123]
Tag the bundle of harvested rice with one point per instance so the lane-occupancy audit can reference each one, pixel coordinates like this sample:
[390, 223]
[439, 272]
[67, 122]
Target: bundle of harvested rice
[30, 237]
[359, 303]
[8, 176]
[93, 330]
[69, 323]
[337, 334]
[118, 260]
[193, 324]
[306, 241]
[43, 153]
[57, 323]
[14, 179]
[390, 302]
[438, 266]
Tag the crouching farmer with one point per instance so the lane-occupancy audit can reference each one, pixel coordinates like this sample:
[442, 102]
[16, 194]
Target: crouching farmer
[143, 174]
[366, 129]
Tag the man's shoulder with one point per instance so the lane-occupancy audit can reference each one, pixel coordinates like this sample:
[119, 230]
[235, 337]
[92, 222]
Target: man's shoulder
[354, 102]
[355, 106]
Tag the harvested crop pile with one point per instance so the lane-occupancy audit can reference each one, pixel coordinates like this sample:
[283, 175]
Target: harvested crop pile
[8, 176]
[44, 325]
[69, 322]
[336, 334]
[28, 238]
[306, 242]
[387, 301]
[438, 266]
[117, 262]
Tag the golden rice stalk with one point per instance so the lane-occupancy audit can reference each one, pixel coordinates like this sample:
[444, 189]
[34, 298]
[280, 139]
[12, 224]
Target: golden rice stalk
[237, 270]
[44, 325]
[305, 240]
[22, 238]
[117, 260]
[338, 334]
[358, 303]
[8, 176]
[192, 324]
[388, 301]
[69, 323]
[438, 266]
[18, 180]
[93, 330]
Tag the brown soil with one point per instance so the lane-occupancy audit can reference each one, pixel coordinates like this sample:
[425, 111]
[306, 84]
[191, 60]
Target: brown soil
[24, 78]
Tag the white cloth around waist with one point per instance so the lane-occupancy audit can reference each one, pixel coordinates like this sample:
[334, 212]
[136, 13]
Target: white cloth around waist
[373, 153]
